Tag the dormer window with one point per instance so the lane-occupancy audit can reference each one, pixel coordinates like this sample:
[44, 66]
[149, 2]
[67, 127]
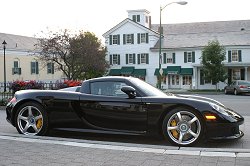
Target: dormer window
[136, 18]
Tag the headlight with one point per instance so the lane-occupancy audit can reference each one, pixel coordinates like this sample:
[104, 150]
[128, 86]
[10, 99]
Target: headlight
[219, 109]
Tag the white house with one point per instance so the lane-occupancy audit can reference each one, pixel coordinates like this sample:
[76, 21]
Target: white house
[133, 50]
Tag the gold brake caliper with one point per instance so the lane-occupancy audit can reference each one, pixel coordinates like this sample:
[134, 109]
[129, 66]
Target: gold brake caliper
[39, 123]
[174, 132]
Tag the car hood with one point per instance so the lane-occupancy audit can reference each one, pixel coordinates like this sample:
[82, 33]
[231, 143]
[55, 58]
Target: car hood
[196, 97]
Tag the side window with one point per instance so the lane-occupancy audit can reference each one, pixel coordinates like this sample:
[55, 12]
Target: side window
[107, 88]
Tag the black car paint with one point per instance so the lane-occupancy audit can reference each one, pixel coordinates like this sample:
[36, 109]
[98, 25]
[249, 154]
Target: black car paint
[142, 115]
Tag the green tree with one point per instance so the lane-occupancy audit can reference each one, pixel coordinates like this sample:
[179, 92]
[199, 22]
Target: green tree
[78, 56]
[212, 57]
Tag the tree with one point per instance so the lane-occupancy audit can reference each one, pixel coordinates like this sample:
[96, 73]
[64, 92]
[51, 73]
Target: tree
[212, 57]
[77, 56]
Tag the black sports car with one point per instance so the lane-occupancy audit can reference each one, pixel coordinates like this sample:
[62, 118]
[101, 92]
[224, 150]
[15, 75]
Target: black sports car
[124, 105]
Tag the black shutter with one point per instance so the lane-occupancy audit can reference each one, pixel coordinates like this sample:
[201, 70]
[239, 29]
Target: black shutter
[132, 36]
[37, 68]
[133, 58]
[124, 39]
[126, 58]
[138, 18]
[147, 59]
[146, 37]
[185, 57]
[138, 38]
[229, 56]
[138, 58]
[239, 54]
[164, 58]
[110, 59]
[193, 57]
[110, 40]
[119, 59]
[118, 38]
[173, 55]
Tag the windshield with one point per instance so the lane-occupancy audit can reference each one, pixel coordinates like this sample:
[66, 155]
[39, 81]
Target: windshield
[148, 89]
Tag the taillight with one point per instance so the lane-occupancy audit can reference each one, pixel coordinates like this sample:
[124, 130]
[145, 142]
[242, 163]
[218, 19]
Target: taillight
[243, 86]
[13, 100]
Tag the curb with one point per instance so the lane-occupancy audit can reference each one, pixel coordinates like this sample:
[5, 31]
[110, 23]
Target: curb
[168, 150]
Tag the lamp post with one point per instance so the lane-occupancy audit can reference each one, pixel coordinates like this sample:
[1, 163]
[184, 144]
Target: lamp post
[160, 38]
[4, 65]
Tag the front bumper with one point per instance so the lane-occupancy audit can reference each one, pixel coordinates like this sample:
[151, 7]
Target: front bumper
[229, 130]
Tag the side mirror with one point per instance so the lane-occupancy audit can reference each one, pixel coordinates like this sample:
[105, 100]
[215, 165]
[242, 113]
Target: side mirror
[130, 91]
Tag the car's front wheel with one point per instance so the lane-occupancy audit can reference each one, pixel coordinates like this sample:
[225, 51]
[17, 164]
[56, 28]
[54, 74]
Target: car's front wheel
[31, 119]
[182, 127]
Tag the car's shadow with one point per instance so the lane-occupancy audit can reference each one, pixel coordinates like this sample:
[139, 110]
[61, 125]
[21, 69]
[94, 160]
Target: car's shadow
[139, 139]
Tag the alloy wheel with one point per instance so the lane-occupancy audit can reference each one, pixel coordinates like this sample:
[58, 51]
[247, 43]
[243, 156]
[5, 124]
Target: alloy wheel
[183, 128]
[30, 120]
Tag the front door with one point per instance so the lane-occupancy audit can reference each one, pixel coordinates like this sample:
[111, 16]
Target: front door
[108, 107]
[174, 81]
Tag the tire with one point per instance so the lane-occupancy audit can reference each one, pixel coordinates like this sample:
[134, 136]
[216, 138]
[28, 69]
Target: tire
[31, 119]
[183, 127]
[235, 92]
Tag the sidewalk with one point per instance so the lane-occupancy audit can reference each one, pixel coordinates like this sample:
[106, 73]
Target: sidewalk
[45, 150]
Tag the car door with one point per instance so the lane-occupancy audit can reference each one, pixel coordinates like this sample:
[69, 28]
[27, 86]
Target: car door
[231, 87]
[107, 107]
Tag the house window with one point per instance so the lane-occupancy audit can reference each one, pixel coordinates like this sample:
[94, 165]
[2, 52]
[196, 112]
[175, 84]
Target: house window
[168, 58]
[235, 56]
[114, 39]
[143, 58]
[34, 68]
[189, 57]
[186, 80]
[16, 69]
[142, 38]
[146, 19]
[130, 58]
[136, 18]
[128, 38]
[50, 68]
[114, 59]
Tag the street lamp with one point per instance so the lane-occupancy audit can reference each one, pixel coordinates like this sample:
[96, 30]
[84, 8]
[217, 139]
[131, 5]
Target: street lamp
[160, 38]
[4, 65]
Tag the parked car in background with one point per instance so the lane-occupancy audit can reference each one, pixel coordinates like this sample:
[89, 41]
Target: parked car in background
[238, 87]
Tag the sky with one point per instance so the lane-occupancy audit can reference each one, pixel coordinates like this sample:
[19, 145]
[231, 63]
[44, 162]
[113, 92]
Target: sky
[31, 17]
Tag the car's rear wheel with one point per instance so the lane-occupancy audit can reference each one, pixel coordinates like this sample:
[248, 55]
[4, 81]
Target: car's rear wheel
[31, 119]
[182, 127]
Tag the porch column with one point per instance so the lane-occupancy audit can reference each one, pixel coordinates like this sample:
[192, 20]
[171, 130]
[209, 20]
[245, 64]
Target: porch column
[195, 78]
[246, 73]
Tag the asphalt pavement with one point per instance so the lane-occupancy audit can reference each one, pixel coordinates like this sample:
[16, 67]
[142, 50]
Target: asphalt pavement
[62, 148]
